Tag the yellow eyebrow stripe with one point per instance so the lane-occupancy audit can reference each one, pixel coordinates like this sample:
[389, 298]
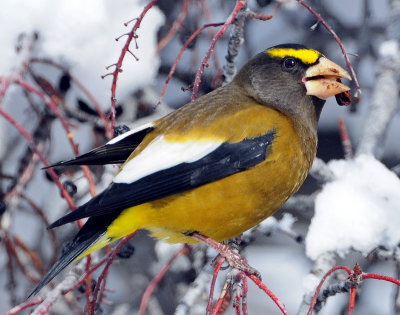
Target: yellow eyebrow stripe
[307, 56]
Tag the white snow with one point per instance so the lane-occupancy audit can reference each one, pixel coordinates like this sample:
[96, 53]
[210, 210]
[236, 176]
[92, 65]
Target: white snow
[390, 48]
[82, 33]
[359, 210]
[271, 224]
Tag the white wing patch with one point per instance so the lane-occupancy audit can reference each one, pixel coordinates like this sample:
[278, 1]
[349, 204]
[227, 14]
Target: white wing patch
[160, 155]
[128, 133]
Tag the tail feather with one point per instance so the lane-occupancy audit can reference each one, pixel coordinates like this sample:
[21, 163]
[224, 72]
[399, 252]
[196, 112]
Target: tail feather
[78, 213]
[78, 248]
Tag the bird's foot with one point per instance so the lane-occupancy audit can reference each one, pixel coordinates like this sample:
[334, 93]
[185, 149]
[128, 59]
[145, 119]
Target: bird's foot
[232, 256]
[236, 261]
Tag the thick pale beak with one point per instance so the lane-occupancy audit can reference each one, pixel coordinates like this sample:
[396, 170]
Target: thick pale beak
[323, 79]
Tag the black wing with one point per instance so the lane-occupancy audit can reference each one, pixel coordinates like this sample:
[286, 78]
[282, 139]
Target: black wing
[227, 159]
[110, 153]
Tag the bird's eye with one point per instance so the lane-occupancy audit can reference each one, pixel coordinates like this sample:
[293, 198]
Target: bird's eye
[289, 63]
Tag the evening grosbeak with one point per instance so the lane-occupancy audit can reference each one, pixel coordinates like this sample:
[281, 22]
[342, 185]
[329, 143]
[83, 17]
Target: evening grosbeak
[216, 166]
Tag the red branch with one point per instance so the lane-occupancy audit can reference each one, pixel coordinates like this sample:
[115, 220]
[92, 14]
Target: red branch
[158, 277]
[345, 54]
[25, 177]
[12, 252]
[207, 15]
[240, 303]
[25, 305]
[92, 269]
[32, 255]
[5, 83]
[380, 277]
[263, 287]
[175, 26]
[41, 214]
[184, 47]
[244, 297]
[221, 304]
[237, 301]
[85, 91]
[10, 266]
[118, 66]
[47, 100]
[88, 282]
[214, 278]
[31, 144]
[259, 16]
[355, 277]
[101, 283]
[352, 300]
[314, 299]
[228, 22]
[346, 143]
[236, 305]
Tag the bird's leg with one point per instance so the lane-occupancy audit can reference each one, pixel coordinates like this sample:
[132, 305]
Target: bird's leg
[234, 259]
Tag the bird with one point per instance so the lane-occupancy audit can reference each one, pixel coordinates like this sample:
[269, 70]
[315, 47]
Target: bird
[217, 166]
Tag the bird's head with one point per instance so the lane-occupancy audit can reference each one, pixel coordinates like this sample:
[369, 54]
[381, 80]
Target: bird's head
[293, 79]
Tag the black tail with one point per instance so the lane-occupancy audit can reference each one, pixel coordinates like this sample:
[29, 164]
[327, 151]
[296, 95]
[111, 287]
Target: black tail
[89, 233]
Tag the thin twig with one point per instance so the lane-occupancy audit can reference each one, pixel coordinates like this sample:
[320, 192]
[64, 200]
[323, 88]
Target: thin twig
[346, 143]
[118, 65]
[380, 277]
[159, 276]
[331, 290]
[200, 286]
[225, 293]
[175, 26]
[12, 252]
[20, 81]
[263, 287]
[236, 39]
[51, 232]
[207, 15]
[101, 283]
[215, 274]
[178, 58]
[19, 308]
[204, 63]
[244, 294]
[62, 287]
[352, 300]
[25, 177]
[314, 299]
[31, 144]
[396, 297]
[337, 39]
[32, 255]
[85, 91]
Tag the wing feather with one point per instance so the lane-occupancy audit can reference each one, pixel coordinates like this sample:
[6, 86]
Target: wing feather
[225, 160]
[115, 151]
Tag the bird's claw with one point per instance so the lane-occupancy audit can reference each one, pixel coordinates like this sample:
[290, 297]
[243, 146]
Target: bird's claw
[236, 261]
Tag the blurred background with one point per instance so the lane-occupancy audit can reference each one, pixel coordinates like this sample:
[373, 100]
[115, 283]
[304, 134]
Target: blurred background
[63, 48]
